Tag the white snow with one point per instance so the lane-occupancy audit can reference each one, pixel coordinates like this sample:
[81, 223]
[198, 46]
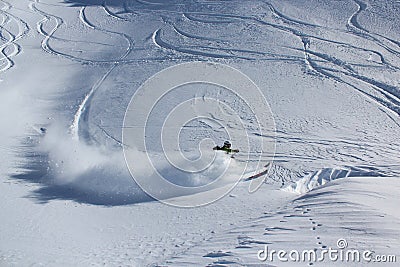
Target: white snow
[329, 70]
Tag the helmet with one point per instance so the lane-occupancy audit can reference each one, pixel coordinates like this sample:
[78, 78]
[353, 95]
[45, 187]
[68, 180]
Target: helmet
[227, 144]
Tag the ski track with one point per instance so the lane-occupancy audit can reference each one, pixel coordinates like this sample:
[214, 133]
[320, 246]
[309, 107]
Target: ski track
[357, 29]
[389, 92]
[47, 18]
[119, 142]
[82, 17]
[232, 51]
[192, 36]
[327, 73]
[287, 19]
[84, 20]
[110, 13]
[10, 48]
[162, 44]
[84, 107]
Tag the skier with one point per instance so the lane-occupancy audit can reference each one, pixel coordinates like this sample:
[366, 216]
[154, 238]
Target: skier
[227, 148]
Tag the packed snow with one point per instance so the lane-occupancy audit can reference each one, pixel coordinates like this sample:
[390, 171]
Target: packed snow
[329, 72]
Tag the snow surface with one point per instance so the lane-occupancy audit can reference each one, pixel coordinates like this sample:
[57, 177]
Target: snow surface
[329, 70]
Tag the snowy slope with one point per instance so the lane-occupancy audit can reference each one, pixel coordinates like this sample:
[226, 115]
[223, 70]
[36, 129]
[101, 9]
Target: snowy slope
[348, 209]
[328, 69]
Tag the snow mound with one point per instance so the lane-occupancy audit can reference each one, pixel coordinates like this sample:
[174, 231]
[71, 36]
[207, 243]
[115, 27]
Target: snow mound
[323, 176]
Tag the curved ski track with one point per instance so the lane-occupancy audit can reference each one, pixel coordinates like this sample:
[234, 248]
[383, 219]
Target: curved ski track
[58, 22]
[9, 46]
[84, 107]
